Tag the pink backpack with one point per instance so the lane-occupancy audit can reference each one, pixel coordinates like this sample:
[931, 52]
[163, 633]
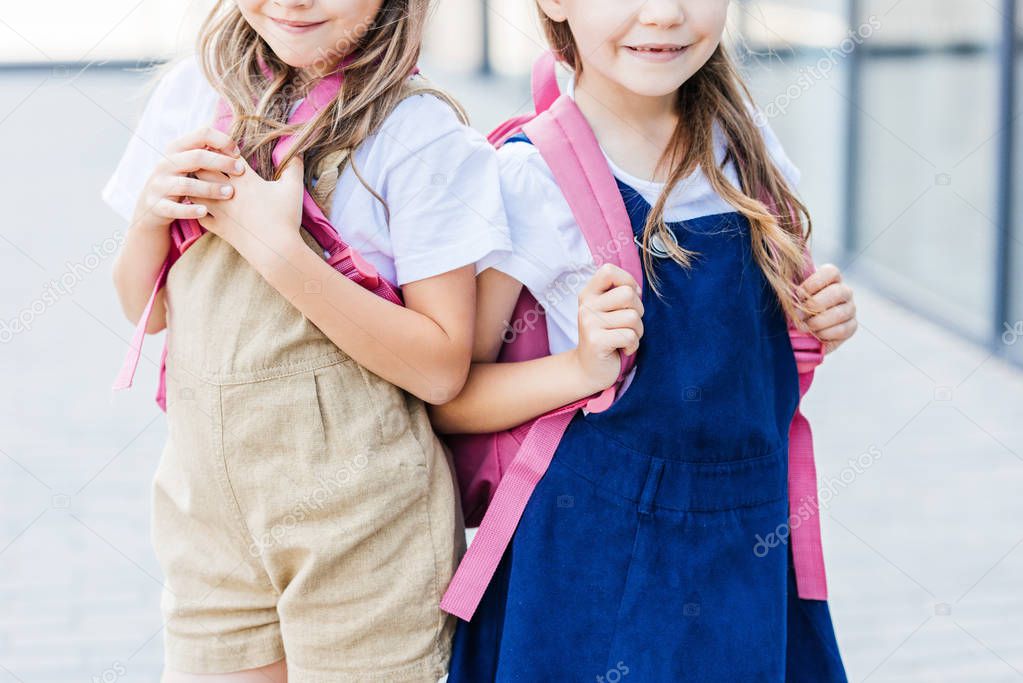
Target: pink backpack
[185, 232]
[498, 472]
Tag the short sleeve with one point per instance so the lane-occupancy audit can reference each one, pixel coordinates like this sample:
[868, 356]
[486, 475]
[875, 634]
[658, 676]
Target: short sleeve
[549, 255]
[546, 241]
[182, 100]
[442, 190]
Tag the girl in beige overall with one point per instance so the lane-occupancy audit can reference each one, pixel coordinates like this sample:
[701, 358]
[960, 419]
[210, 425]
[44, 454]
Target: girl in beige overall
[304, 513]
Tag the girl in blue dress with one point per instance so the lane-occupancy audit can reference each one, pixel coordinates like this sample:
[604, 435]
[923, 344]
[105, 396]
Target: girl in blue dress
[636, 557]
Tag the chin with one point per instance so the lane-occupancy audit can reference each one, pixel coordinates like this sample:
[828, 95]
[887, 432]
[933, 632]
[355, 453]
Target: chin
[653, 86]
[654, 91]
[298, 59]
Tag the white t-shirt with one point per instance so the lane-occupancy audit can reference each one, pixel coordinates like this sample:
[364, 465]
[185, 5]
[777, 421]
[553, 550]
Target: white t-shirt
[550, 256]
[438, 177]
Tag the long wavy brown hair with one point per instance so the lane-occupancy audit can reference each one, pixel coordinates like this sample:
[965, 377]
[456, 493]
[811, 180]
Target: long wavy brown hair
[716, 94]
[381, 56]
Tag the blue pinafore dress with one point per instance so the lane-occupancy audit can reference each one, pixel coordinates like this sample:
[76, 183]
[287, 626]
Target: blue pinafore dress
[636, 558]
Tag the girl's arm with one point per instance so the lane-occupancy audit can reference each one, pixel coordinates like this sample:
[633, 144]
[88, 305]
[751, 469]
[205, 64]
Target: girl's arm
[425, 347]
[145, 247]
[135, 269]
[500, 396]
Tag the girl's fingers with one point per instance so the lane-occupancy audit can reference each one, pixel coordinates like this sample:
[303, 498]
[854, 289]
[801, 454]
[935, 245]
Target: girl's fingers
[625, 339]
[838, 333]
[825, 275]
[167, 208]
[184, 186]
[622, 296]
[192, 160]
[620, 319]
[611, 330]
[607, 277]
[830, 296]
[207, 136]
[836, 315]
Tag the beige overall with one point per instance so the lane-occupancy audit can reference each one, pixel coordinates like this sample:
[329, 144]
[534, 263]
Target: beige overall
[302, 504]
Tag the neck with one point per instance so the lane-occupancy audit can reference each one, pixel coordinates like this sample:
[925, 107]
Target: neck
[310, 74]
[634, 130]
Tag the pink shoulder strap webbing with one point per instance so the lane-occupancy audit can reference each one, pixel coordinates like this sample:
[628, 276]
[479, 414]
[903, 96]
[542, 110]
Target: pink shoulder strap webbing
[804, 507]
[185, 232]
[545, 91]
[567, 144]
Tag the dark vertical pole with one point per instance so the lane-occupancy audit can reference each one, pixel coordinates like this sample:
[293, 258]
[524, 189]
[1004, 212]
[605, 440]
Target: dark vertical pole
[1006, 152]
[486, 68]
[851, 228]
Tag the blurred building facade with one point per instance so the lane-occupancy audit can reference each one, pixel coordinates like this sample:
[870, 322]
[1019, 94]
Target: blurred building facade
[903, 117]
[909, 140]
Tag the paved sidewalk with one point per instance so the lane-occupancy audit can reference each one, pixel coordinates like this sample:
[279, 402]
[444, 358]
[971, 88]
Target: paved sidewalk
[922, 542]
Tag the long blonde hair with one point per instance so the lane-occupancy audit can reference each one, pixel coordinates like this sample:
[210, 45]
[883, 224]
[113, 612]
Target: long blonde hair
[716, 94]
[382, 56]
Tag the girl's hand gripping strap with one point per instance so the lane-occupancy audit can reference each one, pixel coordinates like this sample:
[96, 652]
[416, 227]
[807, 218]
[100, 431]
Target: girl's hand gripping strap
[185, 232]
[804, 507]
[566, 142]
[340, 255]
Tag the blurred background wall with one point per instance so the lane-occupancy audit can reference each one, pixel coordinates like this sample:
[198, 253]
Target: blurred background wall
[901, 114]
[860, 91]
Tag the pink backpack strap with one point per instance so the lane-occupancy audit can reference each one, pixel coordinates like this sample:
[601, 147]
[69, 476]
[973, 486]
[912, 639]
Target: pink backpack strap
[131, 360]
[804, 507]
[341, 256]
[544, 83]
[565, 140]
[184, 233]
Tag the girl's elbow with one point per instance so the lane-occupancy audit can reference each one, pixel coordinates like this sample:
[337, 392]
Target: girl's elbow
[448, 387]
[155, 326]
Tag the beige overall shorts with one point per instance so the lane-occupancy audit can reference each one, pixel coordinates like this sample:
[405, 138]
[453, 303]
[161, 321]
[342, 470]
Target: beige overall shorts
[302, 504]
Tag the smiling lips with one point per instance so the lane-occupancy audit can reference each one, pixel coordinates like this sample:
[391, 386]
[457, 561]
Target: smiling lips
[657, 52]
[296, 26]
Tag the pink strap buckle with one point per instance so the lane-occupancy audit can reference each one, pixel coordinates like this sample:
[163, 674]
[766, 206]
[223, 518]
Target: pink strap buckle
[368, 275]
